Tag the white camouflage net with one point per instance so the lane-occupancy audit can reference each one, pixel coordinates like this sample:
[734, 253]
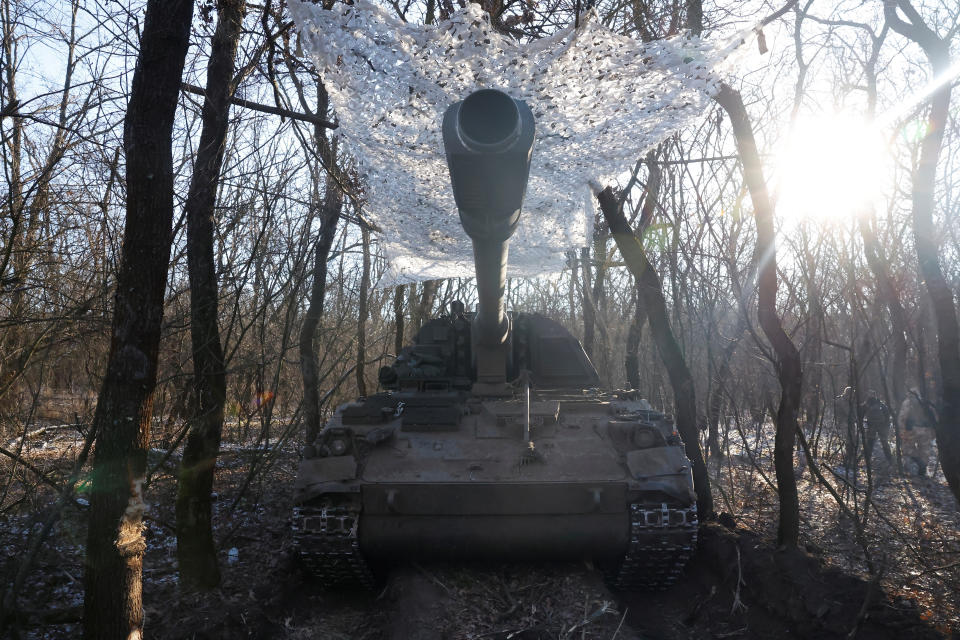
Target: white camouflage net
[601, 101]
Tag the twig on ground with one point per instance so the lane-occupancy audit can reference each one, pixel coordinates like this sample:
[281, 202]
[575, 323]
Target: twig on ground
[620, 626]
[434, 579]
[737, 602]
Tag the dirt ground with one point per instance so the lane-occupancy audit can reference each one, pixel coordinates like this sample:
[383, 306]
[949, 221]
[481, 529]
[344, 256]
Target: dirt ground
[737, 586]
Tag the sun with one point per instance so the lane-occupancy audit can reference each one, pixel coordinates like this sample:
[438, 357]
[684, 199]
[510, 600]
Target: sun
[830, 168]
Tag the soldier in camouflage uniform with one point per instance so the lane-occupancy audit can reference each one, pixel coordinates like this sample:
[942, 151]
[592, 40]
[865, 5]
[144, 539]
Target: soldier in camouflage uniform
[915, 424]
[875, 415]
[876, 424]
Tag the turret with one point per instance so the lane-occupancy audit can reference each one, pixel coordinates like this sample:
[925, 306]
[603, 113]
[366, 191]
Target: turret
[488, 138]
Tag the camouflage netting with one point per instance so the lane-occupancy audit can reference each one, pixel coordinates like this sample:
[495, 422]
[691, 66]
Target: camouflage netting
[601, 101]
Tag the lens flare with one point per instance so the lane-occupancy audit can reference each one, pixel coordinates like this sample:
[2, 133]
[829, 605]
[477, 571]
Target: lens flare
[829, 168]
[264, 398]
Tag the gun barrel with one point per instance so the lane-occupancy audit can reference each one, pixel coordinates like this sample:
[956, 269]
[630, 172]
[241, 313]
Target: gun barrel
[488, 138]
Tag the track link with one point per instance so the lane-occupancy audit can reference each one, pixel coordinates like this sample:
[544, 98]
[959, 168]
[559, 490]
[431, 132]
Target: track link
[325, 534]
[663, 537]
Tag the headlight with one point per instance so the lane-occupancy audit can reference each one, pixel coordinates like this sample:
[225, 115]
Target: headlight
[338, 446]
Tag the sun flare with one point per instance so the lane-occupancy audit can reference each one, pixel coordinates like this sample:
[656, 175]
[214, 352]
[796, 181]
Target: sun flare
[829, 168]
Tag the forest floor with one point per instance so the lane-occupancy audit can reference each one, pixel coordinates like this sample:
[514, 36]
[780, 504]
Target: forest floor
[886, 568]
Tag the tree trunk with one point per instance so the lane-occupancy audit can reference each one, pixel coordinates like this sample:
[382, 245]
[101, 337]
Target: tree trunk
[113, 606]
[788, 366]
[309, 363]
[398, 319]
[925, 238]
[600, 238]
[812, 354]
[599, 297]
[196, 550]
[572, 288]
[647, 211]
[330, 208]
[423, 305]
[632, 358]
[719, 389]
[363, 306]
[891, 298]
[650, 290]
[586, 302]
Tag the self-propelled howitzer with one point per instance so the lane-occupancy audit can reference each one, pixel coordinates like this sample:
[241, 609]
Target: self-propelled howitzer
[490, 437]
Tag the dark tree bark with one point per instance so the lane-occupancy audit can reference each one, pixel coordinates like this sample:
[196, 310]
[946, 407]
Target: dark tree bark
[398, 319]
[646, 213]
[422, 305]
[571, 256]
[650, 290]
[309, 363]
[330, 208]
[363, 306]
[719, 388]
[925, 236]
[787, 363]
[196, 550]
[600, 274]
[586, 301]
[695, 16]
[890, 296]
[113, 606]
[599, 297]
[634, 333]
[812, 353]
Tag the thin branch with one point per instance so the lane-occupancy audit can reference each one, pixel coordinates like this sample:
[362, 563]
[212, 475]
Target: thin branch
[776, 14]
[256, 106]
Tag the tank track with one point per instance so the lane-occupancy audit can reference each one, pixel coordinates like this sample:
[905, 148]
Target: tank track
[325, 535]
[662, 538]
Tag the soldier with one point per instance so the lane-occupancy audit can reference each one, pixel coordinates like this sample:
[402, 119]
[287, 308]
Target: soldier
[876, 424]
[875, 415]
[915, 426]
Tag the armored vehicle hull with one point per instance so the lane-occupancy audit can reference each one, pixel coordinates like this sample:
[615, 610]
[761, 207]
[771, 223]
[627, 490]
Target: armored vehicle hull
[490, 438]
[414, 472]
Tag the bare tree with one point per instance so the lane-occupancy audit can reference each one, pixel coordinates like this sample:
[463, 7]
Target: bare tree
[363, 310]
[196, 550]
[925, 234]
[398, 318]
[650, 290]
[112, 604]
[331, 204]
[787, 357]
